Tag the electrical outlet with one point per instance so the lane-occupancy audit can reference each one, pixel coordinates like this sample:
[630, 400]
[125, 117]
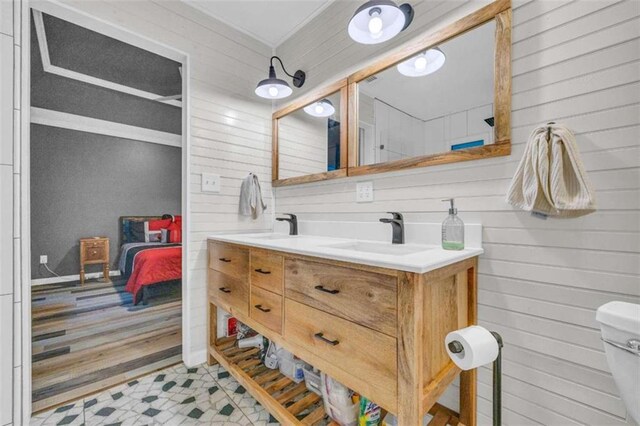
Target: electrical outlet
[211, 182]
[44, 259]
[364, 192]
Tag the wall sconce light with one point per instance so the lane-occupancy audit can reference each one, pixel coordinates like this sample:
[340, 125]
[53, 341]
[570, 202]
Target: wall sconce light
[423, 64]
[275, 88]
[322, 108]
[377, 21]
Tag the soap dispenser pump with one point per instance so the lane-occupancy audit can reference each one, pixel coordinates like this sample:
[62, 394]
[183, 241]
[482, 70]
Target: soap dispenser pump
[452, 229]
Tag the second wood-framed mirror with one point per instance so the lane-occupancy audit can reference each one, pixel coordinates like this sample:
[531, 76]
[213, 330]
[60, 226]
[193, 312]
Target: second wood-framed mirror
[442, 97]
[310, 137]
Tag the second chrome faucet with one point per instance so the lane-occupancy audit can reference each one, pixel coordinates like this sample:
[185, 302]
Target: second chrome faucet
[397, 225]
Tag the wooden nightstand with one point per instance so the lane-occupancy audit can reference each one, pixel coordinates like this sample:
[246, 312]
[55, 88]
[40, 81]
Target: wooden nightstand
[94, 251]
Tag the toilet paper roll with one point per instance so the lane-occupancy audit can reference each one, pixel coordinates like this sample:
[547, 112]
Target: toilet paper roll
[480, 347]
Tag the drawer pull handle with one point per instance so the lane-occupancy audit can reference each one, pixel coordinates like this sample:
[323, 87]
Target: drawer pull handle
[320, 336]
[224, 290]
[326, 290]
[260, 308]
[260, 271]
[224, 259]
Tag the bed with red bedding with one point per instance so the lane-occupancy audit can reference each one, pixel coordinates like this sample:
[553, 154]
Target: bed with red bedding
[150, 262]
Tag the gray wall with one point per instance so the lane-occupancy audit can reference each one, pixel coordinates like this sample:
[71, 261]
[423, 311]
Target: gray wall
[81, 183]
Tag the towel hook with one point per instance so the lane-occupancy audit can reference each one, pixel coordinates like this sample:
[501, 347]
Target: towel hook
[549, 124]
[549, 129]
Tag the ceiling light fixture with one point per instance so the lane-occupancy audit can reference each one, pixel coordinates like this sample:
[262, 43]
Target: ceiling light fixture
[423, 64]
[377, 21]
[275, 88]
[322, 108]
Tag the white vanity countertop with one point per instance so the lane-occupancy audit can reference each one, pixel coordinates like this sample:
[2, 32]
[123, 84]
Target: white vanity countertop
[418, 258]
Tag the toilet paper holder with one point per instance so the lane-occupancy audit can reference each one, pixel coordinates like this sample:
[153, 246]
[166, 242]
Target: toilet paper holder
[456, 348]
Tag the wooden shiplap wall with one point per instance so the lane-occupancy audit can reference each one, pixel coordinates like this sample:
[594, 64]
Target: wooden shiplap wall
[302, 145]
[540, 282]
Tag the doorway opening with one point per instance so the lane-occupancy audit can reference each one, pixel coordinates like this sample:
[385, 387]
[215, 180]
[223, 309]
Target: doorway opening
[107, 162]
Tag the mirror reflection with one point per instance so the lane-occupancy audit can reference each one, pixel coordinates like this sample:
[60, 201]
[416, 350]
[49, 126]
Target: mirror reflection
[309, 139]
[438, 101]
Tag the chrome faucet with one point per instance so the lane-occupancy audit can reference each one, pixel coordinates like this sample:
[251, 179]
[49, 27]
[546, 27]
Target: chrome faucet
[293, 222]
[397, 225]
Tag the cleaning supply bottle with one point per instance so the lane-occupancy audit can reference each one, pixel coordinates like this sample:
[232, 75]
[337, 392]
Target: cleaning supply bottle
[370, 413]
[452, 230]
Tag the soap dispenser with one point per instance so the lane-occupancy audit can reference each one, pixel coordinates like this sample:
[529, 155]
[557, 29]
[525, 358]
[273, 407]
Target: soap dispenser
[452, 230]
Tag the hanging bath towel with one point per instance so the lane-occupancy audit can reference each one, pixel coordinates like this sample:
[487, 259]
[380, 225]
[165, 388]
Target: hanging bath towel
[550, 178]
[251, 203]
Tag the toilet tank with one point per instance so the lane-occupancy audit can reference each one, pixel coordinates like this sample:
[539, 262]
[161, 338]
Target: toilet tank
[620, 328]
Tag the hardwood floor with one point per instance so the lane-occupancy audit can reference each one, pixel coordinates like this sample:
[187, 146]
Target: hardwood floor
[85, 339]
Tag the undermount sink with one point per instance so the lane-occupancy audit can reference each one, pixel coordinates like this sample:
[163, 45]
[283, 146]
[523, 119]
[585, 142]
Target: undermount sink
[381, 248]
[272, 237]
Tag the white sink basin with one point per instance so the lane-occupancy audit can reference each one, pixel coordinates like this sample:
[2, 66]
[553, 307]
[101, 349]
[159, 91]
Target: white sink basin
[381, 248]
[271, 237]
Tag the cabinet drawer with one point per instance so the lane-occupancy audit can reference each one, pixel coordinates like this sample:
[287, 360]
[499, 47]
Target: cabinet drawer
[94, 244]
[267, 270]
[232, 293]
[231, 260]
[266, 309]
[364, 297]
[363, 353]
[92, 254]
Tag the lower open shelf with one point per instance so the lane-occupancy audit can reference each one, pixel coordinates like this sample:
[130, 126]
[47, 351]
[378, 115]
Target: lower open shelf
[289, 402]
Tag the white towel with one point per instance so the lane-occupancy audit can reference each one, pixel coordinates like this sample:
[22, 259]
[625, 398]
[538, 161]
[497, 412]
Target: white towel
[251, 203]
[550, 178]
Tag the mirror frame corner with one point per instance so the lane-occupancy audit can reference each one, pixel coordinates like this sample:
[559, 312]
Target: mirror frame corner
[340, 87]
[501, 12]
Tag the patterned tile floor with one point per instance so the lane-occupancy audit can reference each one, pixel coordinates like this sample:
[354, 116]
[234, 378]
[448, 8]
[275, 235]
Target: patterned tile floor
[178, 395]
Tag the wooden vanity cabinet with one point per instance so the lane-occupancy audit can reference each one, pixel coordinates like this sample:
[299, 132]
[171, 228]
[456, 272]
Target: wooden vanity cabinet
[379, 331]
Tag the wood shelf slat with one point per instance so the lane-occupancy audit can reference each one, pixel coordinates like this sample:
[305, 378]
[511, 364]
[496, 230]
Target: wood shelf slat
[314, 417]
[290, 394]
[303, 403]
[281, 383]
[267, 377]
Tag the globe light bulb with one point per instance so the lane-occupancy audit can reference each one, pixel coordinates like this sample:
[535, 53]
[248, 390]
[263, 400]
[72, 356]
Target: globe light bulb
[375, 25]
[420, 63]
[319, 108]
[273, 91]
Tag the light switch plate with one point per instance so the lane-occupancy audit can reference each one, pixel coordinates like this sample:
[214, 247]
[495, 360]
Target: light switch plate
[211, 182]
[364, 192]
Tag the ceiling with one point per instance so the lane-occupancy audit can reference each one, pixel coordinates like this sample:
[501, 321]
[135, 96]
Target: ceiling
[268, 21]
[75, 48]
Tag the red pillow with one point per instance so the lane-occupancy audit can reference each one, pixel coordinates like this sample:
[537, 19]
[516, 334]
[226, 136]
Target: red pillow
[156, 225]
[175, 232]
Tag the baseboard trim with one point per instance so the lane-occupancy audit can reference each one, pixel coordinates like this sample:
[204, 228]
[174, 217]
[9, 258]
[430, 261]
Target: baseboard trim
[194, 358]
[66, 278]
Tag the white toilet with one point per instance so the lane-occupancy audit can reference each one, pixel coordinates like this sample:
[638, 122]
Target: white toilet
[620, 327]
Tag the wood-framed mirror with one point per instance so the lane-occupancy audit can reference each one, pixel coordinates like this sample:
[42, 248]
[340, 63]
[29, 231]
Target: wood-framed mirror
[310, 137]
[442, 97]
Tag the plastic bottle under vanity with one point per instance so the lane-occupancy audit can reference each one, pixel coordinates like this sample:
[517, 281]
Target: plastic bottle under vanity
[452, 229]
